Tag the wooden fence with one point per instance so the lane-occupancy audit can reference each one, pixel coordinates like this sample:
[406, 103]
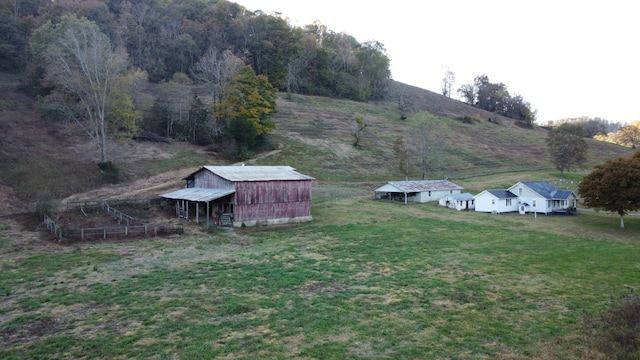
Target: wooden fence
[72, 205]
[130, 229]
[117, 214]
[125, 231]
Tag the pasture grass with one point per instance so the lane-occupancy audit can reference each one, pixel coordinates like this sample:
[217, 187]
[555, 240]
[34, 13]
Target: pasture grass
[365, 279]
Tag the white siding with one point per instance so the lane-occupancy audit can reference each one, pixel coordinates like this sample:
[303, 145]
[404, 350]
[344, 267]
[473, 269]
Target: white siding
[487, 202]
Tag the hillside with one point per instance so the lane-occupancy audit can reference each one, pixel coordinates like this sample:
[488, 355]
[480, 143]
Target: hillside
[313, 134]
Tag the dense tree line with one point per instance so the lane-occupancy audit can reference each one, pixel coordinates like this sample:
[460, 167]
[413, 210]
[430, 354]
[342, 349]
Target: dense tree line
[593, 127]
[496, 98]
[165, 37]
[604, 130]
[69, 50]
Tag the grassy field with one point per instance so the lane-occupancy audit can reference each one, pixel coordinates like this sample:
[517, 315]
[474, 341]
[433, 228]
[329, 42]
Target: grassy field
[365, 279]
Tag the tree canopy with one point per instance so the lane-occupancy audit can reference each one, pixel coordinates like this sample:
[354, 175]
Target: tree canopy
[567, 146]
[248, 107]
[496, 98]
[613, 186]
[164, 37]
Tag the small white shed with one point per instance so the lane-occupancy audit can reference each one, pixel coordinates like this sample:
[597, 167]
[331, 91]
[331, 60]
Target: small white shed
[464, 201]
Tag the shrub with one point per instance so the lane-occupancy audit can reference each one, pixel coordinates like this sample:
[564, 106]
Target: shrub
[616, 332]
[45, 203]
[109, 171]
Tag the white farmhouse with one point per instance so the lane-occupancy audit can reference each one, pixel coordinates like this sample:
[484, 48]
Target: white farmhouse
[538, 197]
[543, 198]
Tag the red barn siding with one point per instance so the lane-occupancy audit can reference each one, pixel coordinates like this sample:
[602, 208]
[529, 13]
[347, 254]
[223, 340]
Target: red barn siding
[259, 212]
[258, 192]
[263, 200]
[259, 200]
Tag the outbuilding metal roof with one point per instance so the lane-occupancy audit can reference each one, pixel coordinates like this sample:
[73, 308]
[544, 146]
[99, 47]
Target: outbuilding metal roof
[501, 193]
[462, 197]
[419, 186]
[256, 173]
[197, 194]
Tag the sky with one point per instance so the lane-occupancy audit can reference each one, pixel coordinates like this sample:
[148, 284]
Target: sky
[566, 58]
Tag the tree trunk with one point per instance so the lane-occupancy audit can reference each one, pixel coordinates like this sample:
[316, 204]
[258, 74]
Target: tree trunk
[621, 222]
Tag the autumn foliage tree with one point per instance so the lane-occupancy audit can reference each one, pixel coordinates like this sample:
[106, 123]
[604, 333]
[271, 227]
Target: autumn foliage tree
[248, 107]
[613, 186]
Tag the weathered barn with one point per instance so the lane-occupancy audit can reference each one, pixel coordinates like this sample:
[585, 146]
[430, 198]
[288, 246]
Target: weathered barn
[245, 195]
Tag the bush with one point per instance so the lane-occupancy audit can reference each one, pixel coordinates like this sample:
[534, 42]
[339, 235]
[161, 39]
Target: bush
[110, 172]
[45, 204]
[616, 332]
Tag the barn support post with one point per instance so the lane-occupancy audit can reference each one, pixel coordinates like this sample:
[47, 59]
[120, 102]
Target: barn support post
[208, 215]
[405, 198]
[197, 212]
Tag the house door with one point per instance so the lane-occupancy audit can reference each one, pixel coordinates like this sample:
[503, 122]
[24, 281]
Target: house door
[522, 210]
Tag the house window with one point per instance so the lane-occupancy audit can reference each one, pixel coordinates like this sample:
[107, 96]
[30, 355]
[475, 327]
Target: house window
[429, 193]
[534, 203]
[508, 202]
[493, 201]
[520, 191]
[450, 191]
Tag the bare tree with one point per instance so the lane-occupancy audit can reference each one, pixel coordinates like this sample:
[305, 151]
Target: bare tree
[402, 150]
[406, 102]
[430, 148]
[216, 70]
[176, 95]
[85, 68]
[421, 149]
[448, 80]
[294, 67]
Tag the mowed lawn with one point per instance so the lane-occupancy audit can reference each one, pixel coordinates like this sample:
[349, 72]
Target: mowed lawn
[367, 279]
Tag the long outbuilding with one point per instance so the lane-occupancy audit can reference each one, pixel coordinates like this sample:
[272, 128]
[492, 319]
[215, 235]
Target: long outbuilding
[416, 190]
[244, 195]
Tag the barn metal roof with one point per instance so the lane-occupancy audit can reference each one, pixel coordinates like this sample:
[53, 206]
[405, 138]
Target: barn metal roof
[257, 173]
[418, 186]
[197, 194]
